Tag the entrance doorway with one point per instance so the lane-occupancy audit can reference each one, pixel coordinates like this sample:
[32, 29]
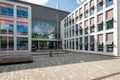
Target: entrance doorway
[45, 45]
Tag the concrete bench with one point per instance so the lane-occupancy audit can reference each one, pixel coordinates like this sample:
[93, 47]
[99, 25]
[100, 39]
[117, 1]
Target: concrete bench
[57, 52]
[8, 59]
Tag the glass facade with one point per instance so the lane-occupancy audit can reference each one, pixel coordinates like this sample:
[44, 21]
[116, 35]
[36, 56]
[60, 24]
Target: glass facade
[6, 10]
[22, 13]
[22, 28]
[6, 43]
[45, 29]
[22, 43]
[6, 27]
[14, 32]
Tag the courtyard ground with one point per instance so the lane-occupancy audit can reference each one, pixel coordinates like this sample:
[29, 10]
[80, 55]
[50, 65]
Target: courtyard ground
[77, 66]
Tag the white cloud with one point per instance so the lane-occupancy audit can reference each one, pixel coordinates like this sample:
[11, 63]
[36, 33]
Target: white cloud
[80, 1]
[41, 2]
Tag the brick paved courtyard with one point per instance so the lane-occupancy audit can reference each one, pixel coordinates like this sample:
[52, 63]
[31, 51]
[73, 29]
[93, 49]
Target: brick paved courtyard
[64, 67]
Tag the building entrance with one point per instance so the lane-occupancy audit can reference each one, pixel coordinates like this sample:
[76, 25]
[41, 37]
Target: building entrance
[45, 45]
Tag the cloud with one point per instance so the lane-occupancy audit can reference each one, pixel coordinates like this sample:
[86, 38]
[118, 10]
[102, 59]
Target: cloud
[80, 1]
[41, 2]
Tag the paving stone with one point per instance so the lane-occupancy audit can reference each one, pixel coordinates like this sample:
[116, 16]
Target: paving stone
[64, 67]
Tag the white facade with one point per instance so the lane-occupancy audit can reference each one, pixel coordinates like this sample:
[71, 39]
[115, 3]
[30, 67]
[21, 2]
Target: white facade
[15, 20]
[99, 27]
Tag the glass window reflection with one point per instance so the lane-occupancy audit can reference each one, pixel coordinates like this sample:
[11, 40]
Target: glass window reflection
[22, 13]
[100, 6]
[22, 28]
[109, 3]
[45, 29]
[6, 10]
[6, 43]
[22, 43]
[6, 27]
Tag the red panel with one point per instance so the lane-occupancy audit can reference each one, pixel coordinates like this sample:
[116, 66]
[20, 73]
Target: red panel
[22, 23]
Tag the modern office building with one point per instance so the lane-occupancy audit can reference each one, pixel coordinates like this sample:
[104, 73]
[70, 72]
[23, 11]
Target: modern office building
[15, 27]
[93, 28]
[25, 25]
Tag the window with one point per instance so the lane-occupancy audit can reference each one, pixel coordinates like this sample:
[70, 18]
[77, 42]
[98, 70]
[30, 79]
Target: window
[76, 43]
[109, 24]
[100, 27]
[22, 28]
[109, 19]
[92, 29]
[22, 13]
[100, 6]
[73, 31]
[86, 30]
[6, 27]
[65, 44]
[80, 18]
[92, 43]
[3, 44]
[70, 32]
[80, 13]
[72, 18]
[67, 33]
[76, 30]
[81, 45]
[86, 14]
[6, 43]
[72, 21]
[76, 15]
[100, 47]
[6, 10]
[109, 3]
[100, 43]
[86, 43]
[72, 43]
[81, 31]
[109, 42]
[69, 20]
[64, 23]
[92, 10]
[22, 43]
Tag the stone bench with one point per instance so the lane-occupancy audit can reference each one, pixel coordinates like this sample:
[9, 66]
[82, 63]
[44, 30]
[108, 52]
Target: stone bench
[8, 59]
[57, 52]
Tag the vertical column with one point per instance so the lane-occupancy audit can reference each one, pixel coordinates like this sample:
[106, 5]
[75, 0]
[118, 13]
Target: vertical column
[15, 27]
[89, 26]
[95, 22]
[104, 26]
[29, 28]
[116, 34]
[83, 10]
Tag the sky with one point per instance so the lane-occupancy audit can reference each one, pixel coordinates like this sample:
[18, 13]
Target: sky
[65, 5]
